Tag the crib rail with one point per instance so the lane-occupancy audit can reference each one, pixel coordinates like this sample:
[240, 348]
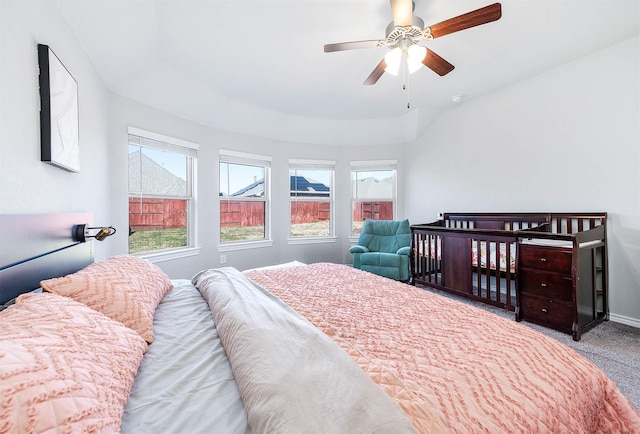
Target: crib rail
[567, 223]
[497, 221]
[476, 263]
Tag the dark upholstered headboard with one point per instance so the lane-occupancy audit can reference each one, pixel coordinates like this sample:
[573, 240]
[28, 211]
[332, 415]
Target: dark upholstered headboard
[34, 247]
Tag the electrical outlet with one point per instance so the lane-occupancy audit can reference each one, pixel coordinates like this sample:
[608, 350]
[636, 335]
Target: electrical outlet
[223, 259]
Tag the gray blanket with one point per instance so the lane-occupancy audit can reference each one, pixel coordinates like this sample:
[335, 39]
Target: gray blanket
[292, 378]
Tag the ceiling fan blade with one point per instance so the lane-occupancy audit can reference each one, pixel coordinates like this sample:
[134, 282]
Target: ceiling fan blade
[376, 73]
[436, 63]
[402, 11]
[341, 46]
[480, 16]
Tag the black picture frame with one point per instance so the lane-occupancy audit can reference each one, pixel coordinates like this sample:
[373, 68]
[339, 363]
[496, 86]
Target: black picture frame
[59, 116]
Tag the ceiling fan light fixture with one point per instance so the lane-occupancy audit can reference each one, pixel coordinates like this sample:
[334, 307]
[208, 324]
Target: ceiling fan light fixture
[393, 59]
[415, 55]
[410, 57]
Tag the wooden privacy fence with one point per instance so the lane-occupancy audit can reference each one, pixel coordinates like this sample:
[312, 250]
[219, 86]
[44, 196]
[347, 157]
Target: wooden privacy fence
[310, 212]
[245, 213]
[372, 210]
[155, 214]
[241, 213]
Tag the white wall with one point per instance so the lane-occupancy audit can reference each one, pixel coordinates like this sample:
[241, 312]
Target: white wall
[565, 140]
[27, 185]
[125, 112]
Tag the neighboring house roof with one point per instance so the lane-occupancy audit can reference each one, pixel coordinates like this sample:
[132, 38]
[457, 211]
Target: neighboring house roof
[304, 187]
[300, 187]
[374, 188]
[156, 179]
[255, 189]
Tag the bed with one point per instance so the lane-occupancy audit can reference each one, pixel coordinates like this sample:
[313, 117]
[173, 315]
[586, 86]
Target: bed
[118, 347]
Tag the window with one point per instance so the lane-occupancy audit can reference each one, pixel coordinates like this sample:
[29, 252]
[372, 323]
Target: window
[373, 192]
[161, 192]
[244, 197]
[311, 198]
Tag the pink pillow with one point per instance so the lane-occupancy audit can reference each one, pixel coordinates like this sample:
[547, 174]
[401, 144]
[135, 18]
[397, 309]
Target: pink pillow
[125, 288]
[64, 367]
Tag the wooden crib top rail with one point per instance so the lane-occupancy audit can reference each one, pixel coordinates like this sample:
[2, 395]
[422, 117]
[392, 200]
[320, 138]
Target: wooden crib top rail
[556, 223]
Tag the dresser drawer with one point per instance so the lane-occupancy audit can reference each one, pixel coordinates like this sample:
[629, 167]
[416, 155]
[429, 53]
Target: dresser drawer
[546, 311]
[546, 285]
[545, 258]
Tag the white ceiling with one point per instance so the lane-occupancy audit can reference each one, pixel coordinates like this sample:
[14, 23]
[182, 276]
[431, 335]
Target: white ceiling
[205, 59]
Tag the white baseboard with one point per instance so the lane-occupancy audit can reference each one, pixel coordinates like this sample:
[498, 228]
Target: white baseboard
[633, 322]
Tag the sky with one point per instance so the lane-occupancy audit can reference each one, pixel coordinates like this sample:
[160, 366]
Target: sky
[241, 175]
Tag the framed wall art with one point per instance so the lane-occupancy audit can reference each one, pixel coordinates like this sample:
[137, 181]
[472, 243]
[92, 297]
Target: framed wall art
[59, 119]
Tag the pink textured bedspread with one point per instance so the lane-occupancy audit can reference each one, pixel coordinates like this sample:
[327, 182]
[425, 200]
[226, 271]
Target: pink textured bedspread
[450, 366]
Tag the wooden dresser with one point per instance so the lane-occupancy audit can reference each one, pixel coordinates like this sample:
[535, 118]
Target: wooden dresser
[561, 277]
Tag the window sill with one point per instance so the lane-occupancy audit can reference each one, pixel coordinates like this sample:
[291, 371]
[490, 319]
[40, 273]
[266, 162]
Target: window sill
[311, 240]
[227, 247]
[169, 255]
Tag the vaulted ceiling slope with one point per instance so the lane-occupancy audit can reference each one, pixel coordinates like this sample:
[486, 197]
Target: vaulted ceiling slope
[258, 67]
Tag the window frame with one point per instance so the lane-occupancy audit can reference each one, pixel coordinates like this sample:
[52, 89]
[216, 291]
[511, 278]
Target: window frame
[297, 164]
[150, 140]
[372, 166]
[255, 160]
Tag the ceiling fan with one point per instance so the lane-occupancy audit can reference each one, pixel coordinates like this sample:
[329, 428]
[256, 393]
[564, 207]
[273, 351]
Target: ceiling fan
[406, 31]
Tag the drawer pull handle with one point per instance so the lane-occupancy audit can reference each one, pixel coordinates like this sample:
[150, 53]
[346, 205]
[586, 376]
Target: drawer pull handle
[543, 285]
[543, 259]
[544, 310]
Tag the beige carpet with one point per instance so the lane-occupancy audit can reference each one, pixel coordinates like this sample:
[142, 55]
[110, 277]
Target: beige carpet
[613, 347]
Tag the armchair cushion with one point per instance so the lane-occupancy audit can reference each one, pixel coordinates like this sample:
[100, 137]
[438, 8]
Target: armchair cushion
[386, 264]
[404, 251]
[358, 249]
[377, 259]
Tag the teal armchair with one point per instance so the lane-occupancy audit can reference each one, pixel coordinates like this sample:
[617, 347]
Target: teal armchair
[383, 248]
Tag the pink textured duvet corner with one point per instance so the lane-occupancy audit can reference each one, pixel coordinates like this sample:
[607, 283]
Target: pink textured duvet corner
[64, 368]
[474, 371]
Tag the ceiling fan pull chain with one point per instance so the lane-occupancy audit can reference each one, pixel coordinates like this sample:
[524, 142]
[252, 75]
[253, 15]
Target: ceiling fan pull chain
[405, 70]
[405, 86]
